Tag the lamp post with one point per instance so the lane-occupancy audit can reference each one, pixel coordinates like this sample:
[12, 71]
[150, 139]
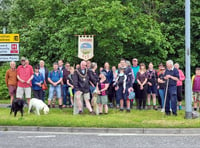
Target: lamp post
[188, 85]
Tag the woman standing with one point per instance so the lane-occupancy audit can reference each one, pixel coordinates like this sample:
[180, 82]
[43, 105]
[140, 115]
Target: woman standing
[179, 85]
[37, 82]
[142, 86]
[109, 77]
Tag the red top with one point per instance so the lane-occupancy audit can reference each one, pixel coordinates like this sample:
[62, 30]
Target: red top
[24, 73]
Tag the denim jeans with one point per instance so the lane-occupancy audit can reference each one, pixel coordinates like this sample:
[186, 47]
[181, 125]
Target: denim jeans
[57, 89]
[65, 94]
[162, 96]
[171, 97]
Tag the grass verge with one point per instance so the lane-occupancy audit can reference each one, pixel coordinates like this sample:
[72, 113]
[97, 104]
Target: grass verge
[115, 119]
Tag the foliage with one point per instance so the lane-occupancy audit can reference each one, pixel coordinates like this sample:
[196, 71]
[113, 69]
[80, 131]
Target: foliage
[3, 88]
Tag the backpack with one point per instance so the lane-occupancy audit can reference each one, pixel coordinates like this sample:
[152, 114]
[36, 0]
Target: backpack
[52, 73]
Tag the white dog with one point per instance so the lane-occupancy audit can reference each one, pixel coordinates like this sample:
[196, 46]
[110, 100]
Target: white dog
[38, 105]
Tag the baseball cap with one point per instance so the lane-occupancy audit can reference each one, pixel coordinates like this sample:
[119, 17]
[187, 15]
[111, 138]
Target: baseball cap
[23, 59]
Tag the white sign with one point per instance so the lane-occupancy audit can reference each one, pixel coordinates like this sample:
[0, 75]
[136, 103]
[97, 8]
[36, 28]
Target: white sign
[9, 58]
[9, 48]
[85, 47]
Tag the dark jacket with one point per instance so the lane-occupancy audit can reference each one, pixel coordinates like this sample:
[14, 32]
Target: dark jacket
[174, 72]
[81, 81]
[109, 75]
[65, 75]
[94, 78]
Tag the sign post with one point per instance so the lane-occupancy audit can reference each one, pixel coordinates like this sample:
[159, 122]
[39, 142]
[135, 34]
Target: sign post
[9, 47]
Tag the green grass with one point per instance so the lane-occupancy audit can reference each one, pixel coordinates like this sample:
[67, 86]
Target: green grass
[115, 119]
[5, 101]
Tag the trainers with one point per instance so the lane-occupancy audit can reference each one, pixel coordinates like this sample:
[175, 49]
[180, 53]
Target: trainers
[162, 110]
[155, 107]
[53, 106]
[80, 112]
[64, 106]
[121, 110]
[128, 110]
[60, 106]
[92, 113]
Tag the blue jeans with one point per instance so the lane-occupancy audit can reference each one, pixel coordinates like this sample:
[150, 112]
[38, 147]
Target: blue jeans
[171, 97]
[162, 96]
[65, 94]
[57, 89]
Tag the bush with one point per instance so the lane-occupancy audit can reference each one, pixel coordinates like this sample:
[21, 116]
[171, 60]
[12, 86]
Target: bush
[3, 88]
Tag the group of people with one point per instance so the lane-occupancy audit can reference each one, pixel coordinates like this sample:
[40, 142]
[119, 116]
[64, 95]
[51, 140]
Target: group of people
[113, 86]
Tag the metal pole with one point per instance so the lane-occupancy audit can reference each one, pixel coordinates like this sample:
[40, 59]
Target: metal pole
[4, 30]
[188, 85]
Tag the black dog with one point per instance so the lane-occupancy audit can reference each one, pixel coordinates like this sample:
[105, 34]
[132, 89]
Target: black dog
[17, 105]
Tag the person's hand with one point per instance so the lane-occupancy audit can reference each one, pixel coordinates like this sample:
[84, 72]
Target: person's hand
[141, 87]
[117, 87]
[22, 81]
[78, 92]
[167, 76]
[28, 82]
[149, 84]
[124, 91]
[39, 84]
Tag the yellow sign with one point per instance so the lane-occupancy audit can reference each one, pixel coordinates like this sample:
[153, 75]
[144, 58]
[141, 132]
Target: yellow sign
[6, 38]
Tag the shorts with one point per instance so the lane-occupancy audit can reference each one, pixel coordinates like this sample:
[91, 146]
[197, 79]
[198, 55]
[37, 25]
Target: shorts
[92, 89]
[196, 96]
[12, 90]
[71, 91]
[22, 90]
[102, 100]
[53, 90]
[85, 96]
[152, 89]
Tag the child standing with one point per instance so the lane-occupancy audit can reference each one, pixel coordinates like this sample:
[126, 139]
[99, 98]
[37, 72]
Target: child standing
[120, 86]
[71, 86]
[152, 86]
[196, 87]
[102, 99]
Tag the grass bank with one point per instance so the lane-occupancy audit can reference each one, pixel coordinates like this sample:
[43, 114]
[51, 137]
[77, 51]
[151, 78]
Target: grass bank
[115, 119]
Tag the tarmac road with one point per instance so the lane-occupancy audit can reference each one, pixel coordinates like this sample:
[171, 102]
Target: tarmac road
[24, 139]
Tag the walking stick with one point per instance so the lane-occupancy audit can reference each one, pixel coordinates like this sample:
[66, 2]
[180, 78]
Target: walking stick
[166, 90]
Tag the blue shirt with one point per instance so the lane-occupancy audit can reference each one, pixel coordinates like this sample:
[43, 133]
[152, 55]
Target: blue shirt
[37, 79]
[135, 71]
[55, 75]
[173, 72]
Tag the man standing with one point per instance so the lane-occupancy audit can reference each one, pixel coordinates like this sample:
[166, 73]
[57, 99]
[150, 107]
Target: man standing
[66, 73]
[44, 71]
[135, 68]
[24, 76]
[55, 79]
[11, 81]
[172, 76]
[82, 87]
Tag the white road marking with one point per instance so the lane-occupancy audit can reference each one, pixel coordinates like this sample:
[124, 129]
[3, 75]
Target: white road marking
[46, 136]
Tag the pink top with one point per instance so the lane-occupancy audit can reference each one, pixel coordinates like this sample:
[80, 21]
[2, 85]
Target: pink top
[181, 78]
[24, 73]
